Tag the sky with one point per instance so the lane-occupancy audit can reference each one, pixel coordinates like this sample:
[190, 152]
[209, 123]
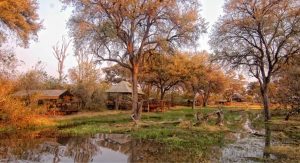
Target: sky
[54, 21]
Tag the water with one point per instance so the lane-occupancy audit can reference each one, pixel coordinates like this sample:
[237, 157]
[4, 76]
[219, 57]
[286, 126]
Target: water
[249, 147]
[97, 148]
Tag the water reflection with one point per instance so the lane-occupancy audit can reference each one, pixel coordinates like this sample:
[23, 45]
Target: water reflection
[122, 148]
[102, 148]
[267, 140]
[98, 148]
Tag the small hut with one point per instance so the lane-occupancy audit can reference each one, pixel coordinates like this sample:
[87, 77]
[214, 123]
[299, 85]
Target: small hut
[61, 99]
[120, 96]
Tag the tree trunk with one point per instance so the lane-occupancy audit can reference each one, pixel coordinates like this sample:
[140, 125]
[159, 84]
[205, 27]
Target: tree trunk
[194, 102]
[135, 108]
[205, 99]
[162, 94]
[266, 102]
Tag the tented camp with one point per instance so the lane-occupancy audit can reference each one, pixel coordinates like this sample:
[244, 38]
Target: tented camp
[120, 96]
[60, 99]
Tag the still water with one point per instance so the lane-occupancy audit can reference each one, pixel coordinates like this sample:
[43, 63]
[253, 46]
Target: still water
[247, 147]
[97, 148]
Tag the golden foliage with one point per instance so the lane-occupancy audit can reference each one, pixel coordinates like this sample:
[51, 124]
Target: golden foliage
[13, 112]
[19, 17]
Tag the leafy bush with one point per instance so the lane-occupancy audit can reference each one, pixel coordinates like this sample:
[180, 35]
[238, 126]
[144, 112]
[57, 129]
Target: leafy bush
[16, 114]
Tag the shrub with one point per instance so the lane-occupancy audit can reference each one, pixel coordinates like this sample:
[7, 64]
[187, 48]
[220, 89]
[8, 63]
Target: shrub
[16, 114]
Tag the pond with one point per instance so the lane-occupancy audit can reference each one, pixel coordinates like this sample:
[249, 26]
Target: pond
[97, 148]
[248, 146]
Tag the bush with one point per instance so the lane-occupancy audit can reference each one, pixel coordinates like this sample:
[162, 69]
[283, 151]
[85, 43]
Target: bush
[15, 113]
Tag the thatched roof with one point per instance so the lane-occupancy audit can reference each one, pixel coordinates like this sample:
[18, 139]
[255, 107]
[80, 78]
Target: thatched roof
[122, 87]
[43, 94]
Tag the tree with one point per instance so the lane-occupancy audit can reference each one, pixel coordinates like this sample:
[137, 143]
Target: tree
[214, 82]
[288, 87]
[196, 76]
[253, 90]
[20, 18]
[260, 36]
[127, 31]
[203, 77]
[165, 72]
[235, 84]
[85, 77]
[60, 53]
[33, 79]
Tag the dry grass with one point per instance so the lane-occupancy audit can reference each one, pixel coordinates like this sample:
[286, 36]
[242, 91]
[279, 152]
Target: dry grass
[286, 151]
[240, 105]
[293, 122]
[88, 114]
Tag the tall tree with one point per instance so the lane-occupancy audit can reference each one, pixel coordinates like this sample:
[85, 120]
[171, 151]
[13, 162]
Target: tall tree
[214, 82]
[196, 76]
[165, 72]
[85, 77]
[126, 31]
[20, 18]
[260, 36]
[60, 53]
[203, 78]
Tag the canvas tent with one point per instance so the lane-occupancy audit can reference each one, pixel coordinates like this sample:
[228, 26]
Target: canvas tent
[61, 99]
[119, 95]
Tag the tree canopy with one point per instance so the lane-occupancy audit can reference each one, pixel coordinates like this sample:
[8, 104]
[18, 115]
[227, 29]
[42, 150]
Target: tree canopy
[165, 71]
[20, 18]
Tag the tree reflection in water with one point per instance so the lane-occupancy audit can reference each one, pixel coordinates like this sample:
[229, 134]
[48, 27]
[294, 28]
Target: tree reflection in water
[81, 149]
[60, 149]
[99, 148]
[267, 140]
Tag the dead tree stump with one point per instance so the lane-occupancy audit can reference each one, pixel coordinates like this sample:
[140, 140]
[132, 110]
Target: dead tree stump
[198, 119]
[220, 118]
